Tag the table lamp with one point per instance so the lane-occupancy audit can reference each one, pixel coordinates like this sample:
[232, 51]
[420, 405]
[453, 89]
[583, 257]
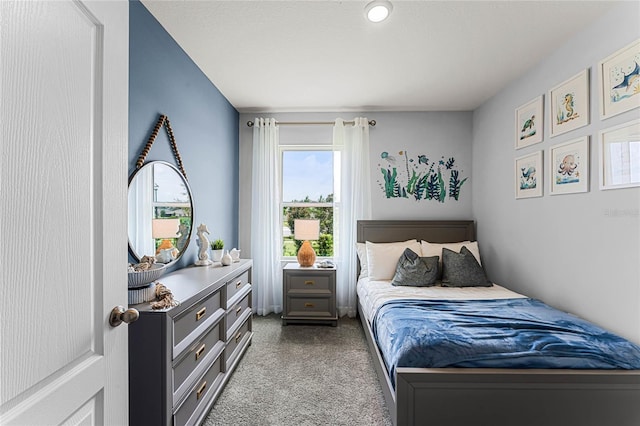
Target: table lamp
[306, 229]
[164, 229]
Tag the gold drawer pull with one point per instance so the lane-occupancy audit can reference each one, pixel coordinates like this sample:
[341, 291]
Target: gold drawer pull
[238, 336]
[309, 305]
[200, 351]
[203, 386]
[201, 313]
[238, 310]
[310, 282]
[239, 284]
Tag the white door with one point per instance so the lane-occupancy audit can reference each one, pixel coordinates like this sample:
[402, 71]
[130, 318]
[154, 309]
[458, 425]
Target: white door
[63, 183]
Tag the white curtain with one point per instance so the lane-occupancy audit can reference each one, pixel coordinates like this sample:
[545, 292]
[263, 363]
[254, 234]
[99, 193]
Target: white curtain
[352, 203]
[141, 212]
[266, 220]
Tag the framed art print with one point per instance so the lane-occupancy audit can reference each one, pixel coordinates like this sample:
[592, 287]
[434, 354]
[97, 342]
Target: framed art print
[529, 179]
[569, 102]
[619, 81]
[619, 149]
[569, 167]
[529, 123]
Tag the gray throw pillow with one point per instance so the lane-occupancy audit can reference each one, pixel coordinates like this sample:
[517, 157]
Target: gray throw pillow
[413, 270]
[462, 269]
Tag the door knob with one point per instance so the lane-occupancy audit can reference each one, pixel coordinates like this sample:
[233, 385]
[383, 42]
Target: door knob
[119, 315]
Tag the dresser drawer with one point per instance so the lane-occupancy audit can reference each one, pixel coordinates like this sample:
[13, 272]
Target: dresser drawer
[236, 284]
[235, 340]
[201, 392]
[235, 312]
[194, 317]
[309, 282]
[196, 355]
[309, 306]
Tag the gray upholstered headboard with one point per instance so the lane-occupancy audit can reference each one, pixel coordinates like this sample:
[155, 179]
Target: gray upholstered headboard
[434, 231]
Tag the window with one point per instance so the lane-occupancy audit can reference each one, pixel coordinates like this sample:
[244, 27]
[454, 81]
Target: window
[308, 177]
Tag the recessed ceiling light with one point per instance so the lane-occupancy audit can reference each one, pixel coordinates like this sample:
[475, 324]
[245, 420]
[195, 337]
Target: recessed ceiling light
[378, 10]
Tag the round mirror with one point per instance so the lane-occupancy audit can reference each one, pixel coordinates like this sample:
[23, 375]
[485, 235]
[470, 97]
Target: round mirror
[160, 212]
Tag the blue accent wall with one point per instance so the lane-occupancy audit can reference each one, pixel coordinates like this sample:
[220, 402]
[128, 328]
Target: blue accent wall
[164, 80]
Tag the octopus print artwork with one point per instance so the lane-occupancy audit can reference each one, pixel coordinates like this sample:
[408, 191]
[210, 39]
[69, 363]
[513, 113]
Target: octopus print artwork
[566, 172]
[570, 166]
[419, 178]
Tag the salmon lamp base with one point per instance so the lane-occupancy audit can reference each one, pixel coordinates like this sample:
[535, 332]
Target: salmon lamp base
[306, 255]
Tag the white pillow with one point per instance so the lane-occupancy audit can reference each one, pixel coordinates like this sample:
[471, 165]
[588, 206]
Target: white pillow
[435, 249]
[382, 258]
[361, 249]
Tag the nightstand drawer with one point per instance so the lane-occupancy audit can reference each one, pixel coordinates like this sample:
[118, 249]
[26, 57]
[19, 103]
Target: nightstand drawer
[199, 393]
[309, 282]
[309, 306]
[236, 284]
[196, 355]
[194, 317]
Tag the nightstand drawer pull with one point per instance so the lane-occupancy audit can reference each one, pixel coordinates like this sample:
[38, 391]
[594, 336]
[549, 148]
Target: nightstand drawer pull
[310, 282]
[203, 386]
[309, 305]
[200, 351]
[239, 284]
[238, 310]
[201, 313]
[238, 336]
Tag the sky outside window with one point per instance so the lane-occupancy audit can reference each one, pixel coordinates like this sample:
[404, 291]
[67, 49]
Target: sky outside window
[306, 173]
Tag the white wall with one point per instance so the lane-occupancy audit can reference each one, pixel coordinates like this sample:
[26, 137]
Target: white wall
[578, 252]
[434, 134]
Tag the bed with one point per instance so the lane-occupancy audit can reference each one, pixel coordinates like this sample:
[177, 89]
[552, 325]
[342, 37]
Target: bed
[489, 396]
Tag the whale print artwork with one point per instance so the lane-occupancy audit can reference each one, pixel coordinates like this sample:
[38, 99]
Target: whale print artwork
[529, 177]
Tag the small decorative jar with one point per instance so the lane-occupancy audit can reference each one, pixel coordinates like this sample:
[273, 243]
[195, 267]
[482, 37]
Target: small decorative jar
[226, 259]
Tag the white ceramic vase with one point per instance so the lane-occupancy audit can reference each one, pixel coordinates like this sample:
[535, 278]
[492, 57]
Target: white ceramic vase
[226, 259]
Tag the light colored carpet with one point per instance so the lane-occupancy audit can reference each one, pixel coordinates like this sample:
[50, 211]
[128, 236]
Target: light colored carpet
[303, 375]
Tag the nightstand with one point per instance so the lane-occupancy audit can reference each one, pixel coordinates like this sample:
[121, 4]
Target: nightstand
[309, 295]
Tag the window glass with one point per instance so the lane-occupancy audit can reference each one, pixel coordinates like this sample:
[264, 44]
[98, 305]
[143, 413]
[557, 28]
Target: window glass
[307, 192]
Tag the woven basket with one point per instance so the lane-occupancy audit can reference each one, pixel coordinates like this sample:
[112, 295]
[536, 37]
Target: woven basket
[143, 278]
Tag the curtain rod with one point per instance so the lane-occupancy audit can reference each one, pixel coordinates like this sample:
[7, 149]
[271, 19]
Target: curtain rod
[372, 123]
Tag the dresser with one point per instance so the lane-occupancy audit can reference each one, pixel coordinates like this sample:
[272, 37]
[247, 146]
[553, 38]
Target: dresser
[180, 358]
[309, 295]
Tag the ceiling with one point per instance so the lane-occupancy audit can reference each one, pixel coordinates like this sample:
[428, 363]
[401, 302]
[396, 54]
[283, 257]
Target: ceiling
[313, 56]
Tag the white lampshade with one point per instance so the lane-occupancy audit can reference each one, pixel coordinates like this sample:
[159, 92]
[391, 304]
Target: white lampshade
[165, 228]
[306, 229]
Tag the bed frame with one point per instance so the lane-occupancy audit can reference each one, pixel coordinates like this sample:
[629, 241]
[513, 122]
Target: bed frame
[489, 396]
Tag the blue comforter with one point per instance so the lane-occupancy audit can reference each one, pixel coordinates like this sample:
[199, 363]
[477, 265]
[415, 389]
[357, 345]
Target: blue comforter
[506, 333]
